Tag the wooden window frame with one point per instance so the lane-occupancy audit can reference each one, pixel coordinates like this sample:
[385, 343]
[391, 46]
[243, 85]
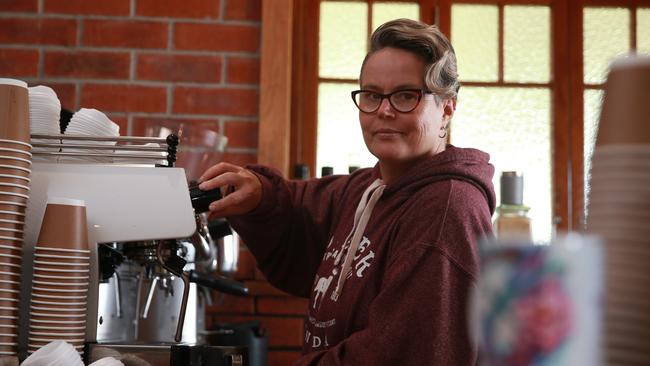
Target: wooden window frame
[289, 87]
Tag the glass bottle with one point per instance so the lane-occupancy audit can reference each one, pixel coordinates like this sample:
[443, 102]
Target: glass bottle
[512, 222]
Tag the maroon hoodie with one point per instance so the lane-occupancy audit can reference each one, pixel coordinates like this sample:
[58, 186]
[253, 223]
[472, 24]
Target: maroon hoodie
[404, 299]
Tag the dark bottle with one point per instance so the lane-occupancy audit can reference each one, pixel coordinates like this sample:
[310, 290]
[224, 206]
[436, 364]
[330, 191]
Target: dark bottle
[326, 170]
[301, 171]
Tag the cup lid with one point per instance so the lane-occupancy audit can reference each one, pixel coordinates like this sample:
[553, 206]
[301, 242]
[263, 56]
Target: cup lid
[15, 82]
[65, 201]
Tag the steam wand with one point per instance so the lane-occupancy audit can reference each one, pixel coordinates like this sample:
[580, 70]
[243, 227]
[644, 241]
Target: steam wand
[175, 264]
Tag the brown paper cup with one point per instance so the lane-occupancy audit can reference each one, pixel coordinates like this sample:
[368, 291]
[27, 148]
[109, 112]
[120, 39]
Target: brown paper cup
[8, 312]
[66, 305]
[14, 206]
[624, 117]
[63, 278]
[15, 157]
[8, 338]
[10, 286]
[64, 225]
[61, 298]
[26, 146]
[10, 261]
[76, 287]
[39, 321]
[16, 234]
[15, 215]
[8, 276]
[14, 169]
[61, 257]
[14, 110]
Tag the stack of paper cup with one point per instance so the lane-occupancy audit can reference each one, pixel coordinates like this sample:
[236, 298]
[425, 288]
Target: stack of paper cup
[15, 169]
[619, 209]
[61, 276]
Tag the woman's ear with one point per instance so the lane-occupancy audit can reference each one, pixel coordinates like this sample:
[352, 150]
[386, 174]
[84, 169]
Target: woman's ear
[449, 108]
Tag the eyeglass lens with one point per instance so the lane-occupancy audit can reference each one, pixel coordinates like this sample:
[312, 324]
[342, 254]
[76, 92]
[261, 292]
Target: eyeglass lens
[402, 101]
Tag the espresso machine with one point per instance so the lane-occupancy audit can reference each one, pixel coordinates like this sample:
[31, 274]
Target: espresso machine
[152, 255]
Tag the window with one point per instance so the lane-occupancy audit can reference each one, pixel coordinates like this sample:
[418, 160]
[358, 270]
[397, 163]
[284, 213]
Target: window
[532, 84]
[505, 105]
[339, 143]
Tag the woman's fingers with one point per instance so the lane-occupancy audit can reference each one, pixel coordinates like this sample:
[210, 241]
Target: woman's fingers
[241, 189]
[218, 169]
[224, 179]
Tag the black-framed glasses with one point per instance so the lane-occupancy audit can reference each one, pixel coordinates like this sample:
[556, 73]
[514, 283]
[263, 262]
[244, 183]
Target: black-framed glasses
[403, 101]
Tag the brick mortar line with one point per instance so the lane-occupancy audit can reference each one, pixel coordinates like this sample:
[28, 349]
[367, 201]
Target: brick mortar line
[206, 117]
[212, 21]
[80, 33]
[170, 99]
[224, 69]
[77, 99]
[129, 125]
[222, 125]
[222, 10]
[40, 7]
[41, 64]
[132, 66]
[153, 83]
[241, 150]
[162, 51]
[171, 41]
[132, 7]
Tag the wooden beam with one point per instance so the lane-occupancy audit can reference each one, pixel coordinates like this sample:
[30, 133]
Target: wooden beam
[275, 84]
[561, 132]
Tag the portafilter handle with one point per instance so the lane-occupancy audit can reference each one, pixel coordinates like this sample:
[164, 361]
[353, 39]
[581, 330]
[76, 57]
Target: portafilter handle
[201, 199]
[221, 284]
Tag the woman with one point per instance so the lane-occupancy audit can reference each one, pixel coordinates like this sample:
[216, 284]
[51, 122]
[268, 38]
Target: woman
[387, 254]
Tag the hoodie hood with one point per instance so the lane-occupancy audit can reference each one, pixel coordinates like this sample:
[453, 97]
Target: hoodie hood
[469, 165]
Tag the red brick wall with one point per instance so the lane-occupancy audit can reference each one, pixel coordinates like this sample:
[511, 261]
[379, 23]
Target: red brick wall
[154, 61]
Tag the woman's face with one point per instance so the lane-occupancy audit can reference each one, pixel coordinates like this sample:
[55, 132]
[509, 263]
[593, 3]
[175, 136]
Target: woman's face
[395, 137]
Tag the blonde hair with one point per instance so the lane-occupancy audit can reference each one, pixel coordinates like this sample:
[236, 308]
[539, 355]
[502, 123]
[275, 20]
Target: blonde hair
[428, 43]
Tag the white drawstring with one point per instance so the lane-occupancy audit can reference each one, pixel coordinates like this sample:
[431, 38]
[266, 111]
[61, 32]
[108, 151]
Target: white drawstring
[361, 218]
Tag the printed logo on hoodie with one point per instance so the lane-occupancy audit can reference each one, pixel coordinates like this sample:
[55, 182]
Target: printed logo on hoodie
[362, 261]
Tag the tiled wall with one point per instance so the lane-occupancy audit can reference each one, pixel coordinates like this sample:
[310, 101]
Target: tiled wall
[152, 61]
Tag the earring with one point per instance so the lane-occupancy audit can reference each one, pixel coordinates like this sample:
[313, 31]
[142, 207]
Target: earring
[445, 134]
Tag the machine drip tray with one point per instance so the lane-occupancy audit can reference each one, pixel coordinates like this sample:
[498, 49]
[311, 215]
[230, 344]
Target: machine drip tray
[145, 354]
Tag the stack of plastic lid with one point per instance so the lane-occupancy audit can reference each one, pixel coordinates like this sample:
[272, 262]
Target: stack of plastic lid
[57, 353]
[44, 115]
[90, 122]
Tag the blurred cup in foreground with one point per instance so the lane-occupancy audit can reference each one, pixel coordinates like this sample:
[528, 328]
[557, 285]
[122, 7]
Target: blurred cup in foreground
[540, 304]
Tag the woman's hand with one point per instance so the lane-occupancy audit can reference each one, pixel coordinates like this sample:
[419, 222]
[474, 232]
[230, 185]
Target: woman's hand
[240, 188]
